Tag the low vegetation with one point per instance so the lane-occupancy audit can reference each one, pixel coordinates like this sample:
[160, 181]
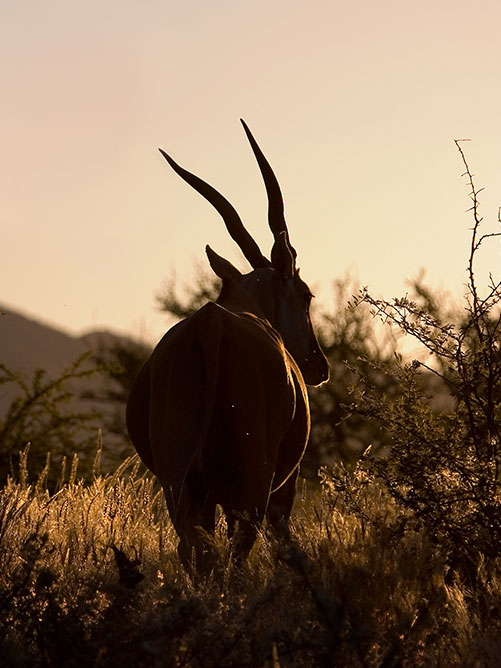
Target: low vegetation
[43, 412]
[89, 576]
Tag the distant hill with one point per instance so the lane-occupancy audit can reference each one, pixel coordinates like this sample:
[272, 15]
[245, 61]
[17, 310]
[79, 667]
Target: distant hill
[27, 345]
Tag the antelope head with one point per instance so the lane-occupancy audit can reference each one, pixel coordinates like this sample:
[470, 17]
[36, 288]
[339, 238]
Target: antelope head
[274, 285]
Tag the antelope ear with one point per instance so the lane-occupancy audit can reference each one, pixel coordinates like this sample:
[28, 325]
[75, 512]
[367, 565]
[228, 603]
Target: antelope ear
[222, 267]
[282, 257]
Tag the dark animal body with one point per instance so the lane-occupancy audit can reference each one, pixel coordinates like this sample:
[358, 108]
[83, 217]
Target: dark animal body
[219, 412]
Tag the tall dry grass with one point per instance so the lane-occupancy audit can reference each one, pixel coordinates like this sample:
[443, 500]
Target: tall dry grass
[89, 576]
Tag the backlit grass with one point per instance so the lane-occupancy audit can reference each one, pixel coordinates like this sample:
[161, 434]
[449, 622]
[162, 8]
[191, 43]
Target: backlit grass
[89, 575]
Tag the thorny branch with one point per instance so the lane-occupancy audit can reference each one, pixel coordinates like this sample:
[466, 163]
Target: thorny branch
[476, 240]
[462, 447]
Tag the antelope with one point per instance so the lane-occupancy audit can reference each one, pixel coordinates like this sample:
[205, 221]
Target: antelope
[219, 412]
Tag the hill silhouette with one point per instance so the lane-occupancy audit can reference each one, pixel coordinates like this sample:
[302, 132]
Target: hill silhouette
[26, 344]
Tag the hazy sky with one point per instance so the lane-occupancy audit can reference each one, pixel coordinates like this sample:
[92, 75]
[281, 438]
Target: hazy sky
[356, 105]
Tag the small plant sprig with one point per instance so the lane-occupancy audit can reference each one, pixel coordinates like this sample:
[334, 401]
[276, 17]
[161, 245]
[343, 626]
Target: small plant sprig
[42, 414]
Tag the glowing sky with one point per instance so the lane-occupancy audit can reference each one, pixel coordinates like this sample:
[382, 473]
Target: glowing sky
[356, 105]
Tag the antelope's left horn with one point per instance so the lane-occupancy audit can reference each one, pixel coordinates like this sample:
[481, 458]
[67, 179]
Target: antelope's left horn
[230, 216]
[276, 216]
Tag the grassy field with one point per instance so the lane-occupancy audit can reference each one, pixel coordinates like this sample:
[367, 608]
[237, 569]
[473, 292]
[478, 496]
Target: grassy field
[89, 576]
